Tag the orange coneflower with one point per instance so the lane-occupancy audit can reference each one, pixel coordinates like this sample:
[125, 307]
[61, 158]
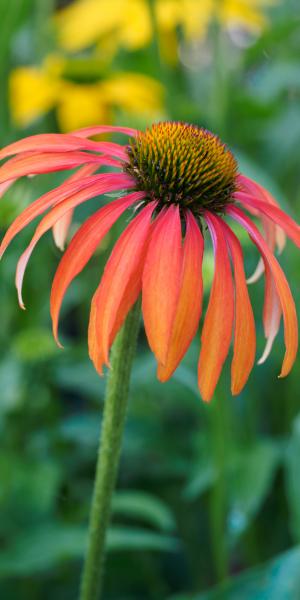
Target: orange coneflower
[176, 179]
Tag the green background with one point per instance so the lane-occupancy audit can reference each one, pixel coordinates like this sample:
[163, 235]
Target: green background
[207, 494]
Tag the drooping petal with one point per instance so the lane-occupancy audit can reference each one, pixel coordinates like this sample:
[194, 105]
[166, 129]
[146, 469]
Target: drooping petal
[119, 287]
[257, 273]
[282, 288]
[90, 131]
[272, 307]
[218, 323]
[189, 306]
[258, 191]
[271, 314]
[274, 213]
[244, 330]
[270, 235]
[61, 143]
[56, 196]
[110, 182]
[82, 247]
[33, 163]
[161, 281]
[61, 228]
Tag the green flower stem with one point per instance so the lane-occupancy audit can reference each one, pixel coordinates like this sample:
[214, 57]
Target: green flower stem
[109, 453]
[218, 505]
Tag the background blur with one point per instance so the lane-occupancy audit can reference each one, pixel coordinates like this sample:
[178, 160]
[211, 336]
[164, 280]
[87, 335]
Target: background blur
[205, 493]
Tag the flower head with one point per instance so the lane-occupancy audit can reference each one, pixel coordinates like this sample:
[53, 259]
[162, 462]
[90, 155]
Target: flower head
[177, 180]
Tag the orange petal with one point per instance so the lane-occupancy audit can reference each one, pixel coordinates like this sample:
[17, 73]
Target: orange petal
[258, 191]
[244, 331]
[271, 314]
[161, 281]
[270, 237]
[189, 306]
[61, 143]
[274, 213]
[61, 227]
[82, 247]
[282, 288]
[89, 131]
[33, 163]
[110, 182]
[217, 328]
[67, 190]
[119, 287]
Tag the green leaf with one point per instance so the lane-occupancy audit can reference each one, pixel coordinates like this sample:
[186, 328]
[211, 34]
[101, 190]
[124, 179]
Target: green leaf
[45, 547]
[201, 481]
[42, 549]
[250, 480]
[138, 505]
[278, 579]
[125, 538]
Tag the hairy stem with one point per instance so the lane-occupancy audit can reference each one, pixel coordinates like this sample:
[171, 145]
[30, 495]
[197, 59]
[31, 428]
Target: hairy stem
[109, 454]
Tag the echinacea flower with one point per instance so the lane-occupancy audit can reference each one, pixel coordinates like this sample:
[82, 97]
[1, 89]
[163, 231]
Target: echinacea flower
[176, 181]
[35, 90]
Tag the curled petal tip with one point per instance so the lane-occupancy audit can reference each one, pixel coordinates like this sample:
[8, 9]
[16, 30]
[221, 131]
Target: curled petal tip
[257, 273]
[206, 398]
[60, 246]
[20, 299]
[56, 338]
[235, 391]
[160, 373]
[266, 351]
[58, 343]
[99, 369]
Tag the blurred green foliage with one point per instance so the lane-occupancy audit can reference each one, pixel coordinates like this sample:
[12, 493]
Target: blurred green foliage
[205, 492]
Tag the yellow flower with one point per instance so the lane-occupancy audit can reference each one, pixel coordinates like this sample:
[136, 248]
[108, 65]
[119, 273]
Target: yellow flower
[34, 91]
[85, 22]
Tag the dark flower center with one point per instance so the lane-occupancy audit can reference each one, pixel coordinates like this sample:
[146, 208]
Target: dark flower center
[184, 164]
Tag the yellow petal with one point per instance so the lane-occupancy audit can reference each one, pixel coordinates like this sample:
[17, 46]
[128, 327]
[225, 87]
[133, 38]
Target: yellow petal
[133, 92]
[81, 106]
[84, 22]
[32, 93]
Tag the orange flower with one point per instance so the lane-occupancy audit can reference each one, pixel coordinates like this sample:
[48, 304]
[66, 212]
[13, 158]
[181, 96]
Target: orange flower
[175, 179]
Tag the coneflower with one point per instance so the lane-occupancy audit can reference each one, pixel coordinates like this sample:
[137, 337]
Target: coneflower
[177, 180]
